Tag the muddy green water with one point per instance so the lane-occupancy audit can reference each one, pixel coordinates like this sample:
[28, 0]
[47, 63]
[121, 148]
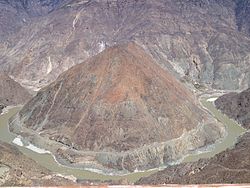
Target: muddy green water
[234, 130]
[47, 160]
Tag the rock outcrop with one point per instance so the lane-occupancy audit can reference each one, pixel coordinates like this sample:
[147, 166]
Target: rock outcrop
[236, 106]
[2, 107]
[117, 111]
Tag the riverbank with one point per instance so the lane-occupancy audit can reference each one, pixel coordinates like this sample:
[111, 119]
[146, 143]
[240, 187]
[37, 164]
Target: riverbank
[18, 141]
[17, 169]
[233, 132]
[228, 167]
[48, 160]
[189, 141]
[86, 174]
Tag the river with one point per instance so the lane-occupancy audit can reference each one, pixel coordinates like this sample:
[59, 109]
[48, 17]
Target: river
[47, 160]
[234, 130]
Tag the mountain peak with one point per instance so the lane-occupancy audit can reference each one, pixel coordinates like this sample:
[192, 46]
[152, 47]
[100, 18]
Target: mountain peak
[113, 104]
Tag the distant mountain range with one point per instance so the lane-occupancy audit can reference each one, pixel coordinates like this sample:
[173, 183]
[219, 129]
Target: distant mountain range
[205, 43]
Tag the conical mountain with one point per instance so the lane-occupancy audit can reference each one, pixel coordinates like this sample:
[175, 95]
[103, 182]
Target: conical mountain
[120, 108]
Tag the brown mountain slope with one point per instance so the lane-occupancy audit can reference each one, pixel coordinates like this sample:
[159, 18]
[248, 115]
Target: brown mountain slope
[11, 92]
[122, 106]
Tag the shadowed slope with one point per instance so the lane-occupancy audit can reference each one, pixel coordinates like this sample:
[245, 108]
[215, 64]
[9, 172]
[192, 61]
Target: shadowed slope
[11, 92]
[236, 106]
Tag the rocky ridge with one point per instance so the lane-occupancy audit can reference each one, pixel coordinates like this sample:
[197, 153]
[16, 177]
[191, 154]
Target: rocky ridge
[204, 43]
